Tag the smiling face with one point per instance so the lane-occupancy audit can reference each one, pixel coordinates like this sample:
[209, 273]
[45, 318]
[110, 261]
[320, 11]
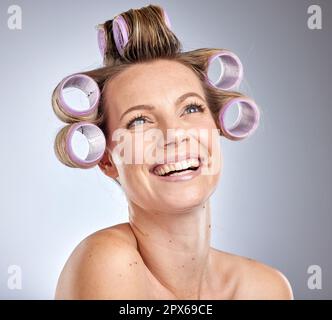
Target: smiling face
[164, 101]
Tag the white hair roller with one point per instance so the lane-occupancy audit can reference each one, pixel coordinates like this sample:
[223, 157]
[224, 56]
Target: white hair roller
[70, 113]
[65, 149]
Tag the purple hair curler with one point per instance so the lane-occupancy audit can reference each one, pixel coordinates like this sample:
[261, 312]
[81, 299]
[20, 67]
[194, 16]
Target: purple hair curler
[101, 36]
[167, 20]
[121, 34]
[232, 70]
[84, 83]
[247, 121]
[96, 140]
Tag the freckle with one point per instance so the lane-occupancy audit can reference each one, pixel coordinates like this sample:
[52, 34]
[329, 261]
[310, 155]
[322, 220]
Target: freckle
[192, 258]
[120, 275]
[169, 240]
[209, 226]
[182, 266]
[130, 264]
[204, 207]
[135, 262]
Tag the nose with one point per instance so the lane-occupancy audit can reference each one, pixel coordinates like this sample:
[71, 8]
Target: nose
[175, 137]
[173, 129]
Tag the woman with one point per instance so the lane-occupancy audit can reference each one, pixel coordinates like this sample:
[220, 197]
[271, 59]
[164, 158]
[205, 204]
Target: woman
[149, 85]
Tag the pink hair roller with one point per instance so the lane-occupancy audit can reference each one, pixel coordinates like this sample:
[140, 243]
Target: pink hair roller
[232, 70]
[101, 36]
[167, 20]
[84, 83]
[120, 32]
[96, 141]
[247, 121]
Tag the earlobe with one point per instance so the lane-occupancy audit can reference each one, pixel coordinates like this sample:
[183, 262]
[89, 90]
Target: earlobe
[107, 165]
[110, 159]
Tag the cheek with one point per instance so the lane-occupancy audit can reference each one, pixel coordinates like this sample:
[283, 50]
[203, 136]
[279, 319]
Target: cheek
[210, 141]
[136, 185]
[209, 136]
[130, 178]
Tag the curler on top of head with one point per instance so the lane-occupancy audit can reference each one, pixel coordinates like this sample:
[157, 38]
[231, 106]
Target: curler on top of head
[121, 33]
[69, 112]
[247, 121]
[102, 39]
[167, 20]
[231, 73]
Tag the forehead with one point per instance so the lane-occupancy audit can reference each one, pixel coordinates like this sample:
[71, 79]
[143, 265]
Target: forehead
[157, 82]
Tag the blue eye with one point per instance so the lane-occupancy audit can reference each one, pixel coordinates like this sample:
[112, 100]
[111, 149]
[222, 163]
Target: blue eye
[137, 120]
[193, 107]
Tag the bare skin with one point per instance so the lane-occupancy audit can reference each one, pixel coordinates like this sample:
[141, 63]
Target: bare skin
[108, 265]
[164, 251]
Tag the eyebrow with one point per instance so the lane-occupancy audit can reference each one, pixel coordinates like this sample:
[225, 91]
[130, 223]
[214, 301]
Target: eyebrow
[150, 107]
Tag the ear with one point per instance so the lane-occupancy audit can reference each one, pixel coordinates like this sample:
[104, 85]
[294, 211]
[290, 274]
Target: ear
[107, 166]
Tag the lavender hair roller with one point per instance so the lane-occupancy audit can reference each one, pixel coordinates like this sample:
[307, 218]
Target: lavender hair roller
[120, 32]
[96, 140]
[232, 70]
[101, 36]
[167, 20]
[69, 113]
[247, 121]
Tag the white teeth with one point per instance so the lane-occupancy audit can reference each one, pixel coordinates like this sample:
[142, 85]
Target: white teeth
[182, 165]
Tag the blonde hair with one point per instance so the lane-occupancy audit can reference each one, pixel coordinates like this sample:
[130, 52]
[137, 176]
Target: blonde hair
[150, 39]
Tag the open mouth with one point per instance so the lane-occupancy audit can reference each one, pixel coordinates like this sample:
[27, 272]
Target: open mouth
[177, 168]
[179, 172]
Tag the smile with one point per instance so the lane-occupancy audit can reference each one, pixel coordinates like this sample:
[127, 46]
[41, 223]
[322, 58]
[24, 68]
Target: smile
[178, 171]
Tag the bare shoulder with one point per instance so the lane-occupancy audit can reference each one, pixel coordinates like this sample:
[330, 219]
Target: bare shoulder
[255, 280]
[105, 265]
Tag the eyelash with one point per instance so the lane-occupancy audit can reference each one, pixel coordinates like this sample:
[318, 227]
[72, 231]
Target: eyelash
[200, 108]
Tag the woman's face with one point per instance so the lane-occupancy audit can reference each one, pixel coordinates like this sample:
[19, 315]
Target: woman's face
[172, 140]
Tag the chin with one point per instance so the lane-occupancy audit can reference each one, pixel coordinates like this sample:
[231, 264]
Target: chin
[179, 196]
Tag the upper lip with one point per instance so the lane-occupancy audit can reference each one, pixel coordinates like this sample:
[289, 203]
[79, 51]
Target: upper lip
[177, 158]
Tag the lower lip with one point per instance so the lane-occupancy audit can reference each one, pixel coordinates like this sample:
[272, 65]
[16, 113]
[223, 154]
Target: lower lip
[181, 177]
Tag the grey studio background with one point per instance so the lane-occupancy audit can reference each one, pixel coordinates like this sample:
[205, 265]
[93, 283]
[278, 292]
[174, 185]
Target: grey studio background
[273, 202]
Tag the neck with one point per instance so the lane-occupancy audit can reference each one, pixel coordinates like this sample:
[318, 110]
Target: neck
[175, 247]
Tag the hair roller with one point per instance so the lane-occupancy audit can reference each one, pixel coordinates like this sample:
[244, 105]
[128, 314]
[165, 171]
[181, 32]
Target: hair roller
[167, 20]
[121, 33]
[64, 150]
[68, 113]
[102, 39]
[247, 121]
[232, 70]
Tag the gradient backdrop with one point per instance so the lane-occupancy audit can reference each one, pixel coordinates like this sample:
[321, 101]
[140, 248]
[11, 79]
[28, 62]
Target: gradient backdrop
[274, 200]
